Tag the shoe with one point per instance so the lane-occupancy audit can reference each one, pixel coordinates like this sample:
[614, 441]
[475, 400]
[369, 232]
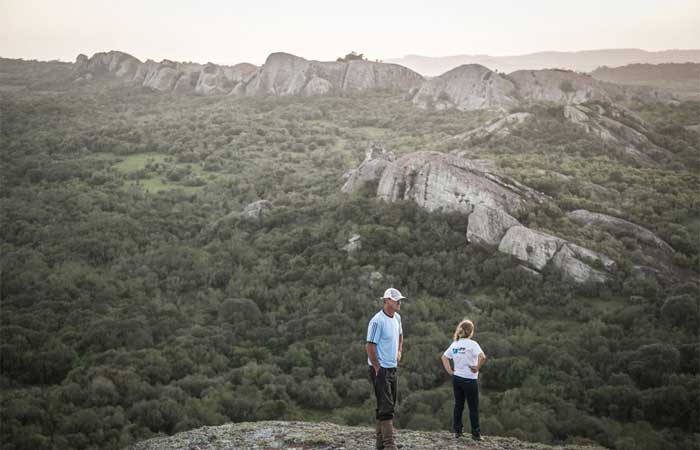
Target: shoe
[477, 437]
[378, 433]
[388, 435]
[459, 435]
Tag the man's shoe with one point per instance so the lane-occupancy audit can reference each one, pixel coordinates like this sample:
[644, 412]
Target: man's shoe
[477, 437]
[378, 433]
[459, 435]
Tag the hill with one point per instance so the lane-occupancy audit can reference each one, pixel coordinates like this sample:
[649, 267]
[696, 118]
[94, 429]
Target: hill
[177, 261]
[681, 79]
[581, 61]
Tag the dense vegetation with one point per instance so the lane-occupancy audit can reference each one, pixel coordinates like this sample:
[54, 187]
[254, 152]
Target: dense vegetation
[136, 300]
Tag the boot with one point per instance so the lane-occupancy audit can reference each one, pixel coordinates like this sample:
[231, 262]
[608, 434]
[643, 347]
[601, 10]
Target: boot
[380, 441]
[388, 435]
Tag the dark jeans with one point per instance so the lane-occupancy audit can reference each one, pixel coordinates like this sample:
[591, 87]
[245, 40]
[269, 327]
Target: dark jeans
[466, 389]
[385, 390]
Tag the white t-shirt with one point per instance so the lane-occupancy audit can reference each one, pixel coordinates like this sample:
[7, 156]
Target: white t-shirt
[464, 353]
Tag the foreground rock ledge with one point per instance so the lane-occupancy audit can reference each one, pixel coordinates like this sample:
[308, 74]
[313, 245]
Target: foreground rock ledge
[326, 436]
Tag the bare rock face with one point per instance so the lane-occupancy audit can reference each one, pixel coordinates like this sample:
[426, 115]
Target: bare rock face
[212, 80]
[440, 181]
[487, 226]
[617, 226]
[281, 75]
[466, 88]
[284, 74]
[166, 76]
[532, 247]
[376, 160]
[318, 436]
[118, 63]
[572, 260]
[558, 86]
[163, 79]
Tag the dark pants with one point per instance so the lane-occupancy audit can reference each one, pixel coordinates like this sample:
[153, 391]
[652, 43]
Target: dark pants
[385, 390]
[466, 389]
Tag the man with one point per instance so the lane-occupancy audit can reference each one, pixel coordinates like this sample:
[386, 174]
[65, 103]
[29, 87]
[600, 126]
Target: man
[384, 347]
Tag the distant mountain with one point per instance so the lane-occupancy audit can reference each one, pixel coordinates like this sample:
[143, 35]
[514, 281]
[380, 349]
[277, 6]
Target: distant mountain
[583, 61]
[682, 79]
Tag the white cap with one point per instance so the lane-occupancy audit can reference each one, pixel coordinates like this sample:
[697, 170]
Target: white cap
[393, 294]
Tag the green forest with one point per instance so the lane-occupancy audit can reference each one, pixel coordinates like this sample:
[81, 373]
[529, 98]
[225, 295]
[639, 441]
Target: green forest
[138, 301]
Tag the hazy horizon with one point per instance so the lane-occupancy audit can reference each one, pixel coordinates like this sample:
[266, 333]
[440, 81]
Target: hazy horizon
[217, 31]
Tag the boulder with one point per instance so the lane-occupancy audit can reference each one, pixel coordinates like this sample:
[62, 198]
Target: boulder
[256, 210]
[354, 244]
[532, 247]
[570, 261]
[466, 88]
[487, 226]
[376, 160]
[441, 181]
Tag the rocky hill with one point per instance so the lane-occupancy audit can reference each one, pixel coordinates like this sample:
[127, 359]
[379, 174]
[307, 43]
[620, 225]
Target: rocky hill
[281, 75]
[326, 436]
[490, 202]
[467, 87]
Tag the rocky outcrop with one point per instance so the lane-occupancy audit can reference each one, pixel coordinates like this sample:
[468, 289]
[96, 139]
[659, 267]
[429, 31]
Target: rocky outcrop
[440, 181]
[618, 227]
[654, 256]
[537, 249]
[165, 76]
[487, 226]
[533, 247]
[576, 262]
[371, 169]
[281, 75]
[326, 436]
[558, 86]
[256, 210]
[466, 88]
[117, 63]
[354, 244]
[285, 75]
[619, 127]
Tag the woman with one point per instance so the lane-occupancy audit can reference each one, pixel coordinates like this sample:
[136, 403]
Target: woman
[467, 358]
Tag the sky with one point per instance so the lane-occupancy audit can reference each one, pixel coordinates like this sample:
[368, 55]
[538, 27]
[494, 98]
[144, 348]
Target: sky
[229, 32]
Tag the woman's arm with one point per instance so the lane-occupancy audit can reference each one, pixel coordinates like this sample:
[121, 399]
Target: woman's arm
[480, 362]
[446, 364]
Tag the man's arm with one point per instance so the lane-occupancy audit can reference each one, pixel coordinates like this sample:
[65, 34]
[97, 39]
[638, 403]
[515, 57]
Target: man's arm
[372, 355]
[398, 356]
[446, 364]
